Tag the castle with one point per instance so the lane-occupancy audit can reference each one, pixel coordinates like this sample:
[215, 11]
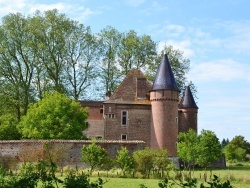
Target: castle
[138, 110]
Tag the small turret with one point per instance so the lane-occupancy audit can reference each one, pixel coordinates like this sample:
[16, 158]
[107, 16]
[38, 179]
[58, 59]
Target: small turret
[188, 99]
[187, 112]
[164, 78]
[164, 98]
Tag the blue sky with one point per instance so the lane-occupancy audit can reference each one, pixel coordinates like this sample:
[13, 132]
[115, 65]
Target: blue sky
[214, 35]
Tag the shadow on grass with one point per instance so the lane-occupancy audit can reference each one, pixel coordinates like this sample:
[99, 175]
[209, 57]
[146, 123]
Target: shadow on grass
[238, 167]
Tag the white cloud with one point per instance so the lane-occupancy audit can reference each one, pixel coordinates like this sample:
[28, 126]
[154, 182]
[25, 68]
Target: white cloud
[219, 70]
[235, 35]
[80, 13]
[9, 6]
[75, 11]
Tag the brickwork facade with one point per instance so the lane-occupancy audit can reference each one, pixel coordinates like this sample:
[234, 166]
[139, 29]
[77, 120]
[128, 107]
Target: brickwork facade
[95, 119]
[140, 110]
[31, 150]
[165, 120]
[129, 122]
[187, 119]
[136, 112]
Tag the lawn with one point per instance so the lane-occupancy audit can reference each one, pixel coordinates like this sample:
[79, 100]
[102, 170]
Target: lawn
[239, 177]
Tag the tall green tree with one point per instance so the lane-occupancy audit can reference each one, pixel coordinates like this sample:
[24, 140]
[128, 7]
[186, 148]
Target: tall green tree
[135, 51]
[54, 117]
[17, 63]
[51, 31]
[209, 148]
[187, 147]
[109, 43]
[237, 149]
[82, 57]
[94, 155]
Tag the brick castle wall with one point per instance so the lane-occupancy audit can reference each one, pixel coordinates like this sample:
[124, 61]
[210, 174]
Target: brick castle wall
[165, 120]
[138, 123]
[32, 150]
[187, 119]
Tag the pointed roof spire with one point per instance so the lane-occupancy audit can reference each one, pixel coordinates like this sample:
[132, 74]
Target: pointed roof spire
[188, 99]
[164, 77]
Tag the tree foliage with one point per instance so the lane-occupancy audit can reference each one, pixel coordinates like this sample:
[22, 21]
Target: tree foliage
[94, 155]
[17, 62]
[135, 51]
[224, 142]
[209, 148]
[124, 160]
[54, 117]
[161, 161]
[203, 149]
[237, 149]
[187, 147]
[148, 159]
[144, 161]
[8, 128]
[109, 43]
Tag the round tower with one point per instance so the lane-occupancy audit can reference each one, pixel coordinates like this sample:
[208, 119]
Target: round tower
[188, 111]
[164, 98]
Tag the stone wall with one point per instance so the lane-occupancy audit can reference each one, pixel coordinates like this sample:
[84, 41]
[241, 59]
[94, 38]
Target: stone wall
[66, 152]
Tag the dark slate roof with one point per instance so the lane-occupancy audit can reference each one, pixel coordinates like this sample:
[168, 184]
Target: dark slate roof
[164, 77]
[188, 99]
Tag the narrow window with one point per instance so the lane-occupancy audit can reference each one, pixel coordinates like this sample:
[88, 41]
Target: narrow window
[176, 120]
[109, 109]
[123, 137]
[101, 110]
[124, 117]
[87, 124]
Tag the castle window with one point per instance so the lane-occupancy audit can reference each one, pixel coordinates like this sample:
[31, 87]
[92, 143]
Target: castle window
[176, 120]
[109, 109]
[86, 124]
[123, 137]
[124, 117]
[101, 110]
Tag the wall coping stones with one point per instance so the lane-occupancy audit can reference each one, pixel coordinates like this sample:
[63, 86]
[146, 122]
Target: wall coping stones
[74, 141]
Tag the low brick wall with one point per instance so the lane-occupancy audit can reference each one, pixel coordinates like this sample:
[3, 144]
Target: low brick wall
[65, 152]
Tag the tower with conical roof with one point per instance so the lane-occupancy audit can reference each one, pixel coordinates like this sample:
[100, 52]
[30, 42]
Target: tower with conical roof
[188, 111]
[164, 98]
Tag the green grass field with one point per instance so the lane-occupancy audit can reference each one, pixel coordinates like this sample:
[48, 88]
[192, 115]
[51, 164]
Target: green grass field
[239, 177]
